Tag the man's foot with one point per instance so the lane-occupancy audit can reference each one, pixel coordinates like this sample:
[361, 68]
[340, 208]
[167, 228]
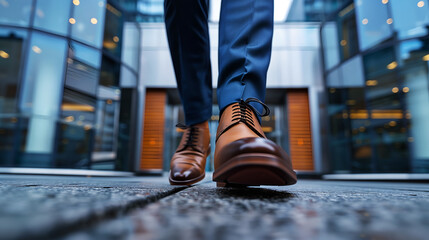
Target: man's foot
[243, 155]
[189, 161]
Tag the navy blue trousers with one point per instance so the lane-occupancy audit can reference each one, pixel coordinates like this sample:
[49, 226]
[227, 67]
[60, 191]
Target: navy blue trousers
[245, 36]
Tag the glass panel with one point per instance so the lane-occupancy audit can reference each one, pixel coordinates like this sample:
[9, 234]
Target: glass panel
[332, 6]
[75, 133]
[330, 45]
[339, 135]
[347, 32]
[11, 43]
[361, 151]
[130, 46]
[88, 21]
[373, 22]
[9, 130]
[110, 71]
[52, 15]
[126, 130]
[128, 5]
[15, 12]
[41, 93]
[113, 31]
[388, 126]
[410, 17]
[301, 10]
[415, 56]
[128, 78]
[83, 67]
[106, 132]
[150, 10]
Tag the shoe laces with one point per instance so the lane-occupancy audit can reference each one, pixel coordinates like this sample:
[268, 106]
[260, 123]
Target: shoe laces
[242, 112]
[191, 136]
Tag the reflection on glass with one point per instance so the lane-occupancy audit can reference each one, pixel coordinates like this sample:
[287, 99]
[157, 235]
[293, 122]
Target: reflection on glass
[331, 6]
[128, 77]
[107, 113]
[15, 12]
[388, 125]
[339, 131]
[349, 137]
[410, 18]
[416, 90]
[11, 43]
[41, 93]
[125, 131]
[130, 46]
[75, 131]
[113, 31]
[52, 15]
[110, 71]
[88, 22]
[83, 66]
[374, 23]
[150, 10]
[330, 44]
[8, 128]
[301, 10]
[348, 33]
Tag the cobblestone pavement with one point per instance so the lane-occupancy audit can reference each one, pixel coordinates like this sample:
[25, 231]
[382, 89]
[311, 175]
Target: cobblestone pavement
[148, 208]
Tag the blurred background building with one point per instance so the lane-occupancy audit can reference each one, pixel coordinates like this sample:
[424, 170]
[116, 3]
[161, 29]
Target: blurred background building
[89, 84]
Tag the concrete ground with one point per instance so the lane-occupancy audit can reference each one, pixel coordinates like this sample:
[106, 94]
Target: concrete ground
[79, 208]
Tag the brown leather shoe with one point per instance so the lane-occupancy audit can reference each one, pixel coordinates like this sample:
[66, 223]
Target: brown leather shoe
[189, 161]
[243, 155]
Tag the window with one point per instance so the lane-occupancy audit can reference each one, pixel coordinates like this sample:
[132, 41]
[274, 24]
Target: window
[75, 131]
[88, 22]
[52, 16]
[374, 23]
[347, 32]
[113, 31]
[109, 73]
[16, 12]
[41, 92]
[83, 66]
[415, 90]
[410, 18]
[330, 44]
[11, 44]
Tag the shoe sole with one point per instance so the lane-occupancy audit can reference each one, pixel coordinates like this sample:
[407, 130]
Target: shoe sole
[254, 169]
[186, 182]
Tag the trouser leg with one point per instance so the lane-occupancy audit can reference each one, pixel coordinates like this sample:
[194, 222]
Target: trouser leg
[188, 39]
[245, 36]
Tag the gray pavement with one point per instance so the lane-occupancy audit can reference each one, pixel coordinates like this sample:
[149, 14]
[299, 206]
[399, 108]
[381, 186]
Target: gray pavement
[54, 207]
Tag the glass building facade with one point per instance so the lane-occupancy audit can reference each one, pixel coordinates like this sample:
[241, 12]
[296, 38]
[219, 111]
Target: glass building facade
[70, 96]
[376, 55]
[67, 88]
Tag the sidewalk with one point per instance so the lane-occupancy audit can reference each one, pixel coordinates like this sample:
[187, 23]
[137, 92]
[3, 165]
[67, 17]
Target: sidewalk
[54, 207]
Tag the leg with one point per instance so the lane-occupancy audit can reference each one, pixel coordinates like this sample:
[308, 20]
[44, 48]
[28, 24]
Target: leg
[243, 154]
[245, 36]
[188, 38]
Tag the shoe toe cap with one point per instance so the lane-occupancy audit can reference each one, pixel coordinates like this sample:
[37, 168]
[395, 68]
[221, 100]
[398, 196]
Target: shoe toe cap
[183, 172]
[252, 145]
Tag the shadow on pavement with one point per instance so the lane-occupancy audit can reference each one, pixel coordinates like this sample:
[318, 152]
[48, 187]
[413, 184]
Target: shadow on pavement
[254, 193]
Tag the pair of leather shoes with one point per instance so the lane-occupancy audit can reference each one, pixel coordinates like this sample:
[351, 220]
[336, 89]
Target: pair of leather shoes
[243, 154]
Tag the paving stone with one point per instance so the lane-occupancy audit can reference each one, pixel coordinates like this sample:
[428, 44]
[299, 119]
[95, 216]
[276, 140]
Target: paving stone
[40, 207]
[79, 208]
[308, 210]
